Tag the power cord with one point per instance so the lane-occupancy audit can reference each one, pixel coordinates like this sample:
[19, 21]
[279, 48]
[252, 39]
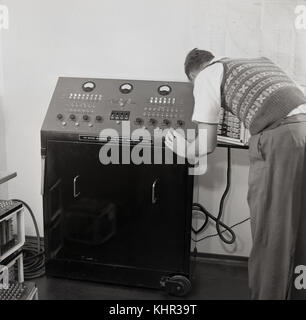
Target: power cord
[207, 215]
[216, 234]
[34, 259]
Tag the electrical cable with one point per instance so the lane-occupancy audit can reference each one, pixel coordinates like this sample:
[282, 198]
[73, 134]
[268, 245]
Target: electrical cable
[33, 251]
[216, 234]
[207, 215]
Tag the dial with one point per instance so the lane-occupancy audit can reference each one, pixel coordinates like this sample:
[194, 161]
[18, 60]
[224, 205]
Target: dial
[166, 122]
[139, 121]
[164, 90]
[153, 122]
[126, 88]
[180, 123]
[89, 86]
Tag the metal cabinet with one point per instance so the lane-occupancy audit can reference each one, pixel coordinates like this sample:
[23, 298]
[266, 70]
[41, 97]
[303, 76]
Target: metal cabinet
[127, 224]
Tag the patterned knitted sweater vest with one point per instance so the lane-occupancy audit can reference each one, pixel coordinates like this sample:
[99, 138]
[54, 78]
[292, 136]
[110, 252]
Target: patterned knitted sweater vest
[258, 92]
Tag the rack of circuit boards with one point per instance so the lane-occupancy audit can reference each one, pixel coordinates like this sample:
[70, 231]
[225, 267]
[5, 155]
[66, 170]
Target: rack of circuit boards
[12, 239]
[231, 130]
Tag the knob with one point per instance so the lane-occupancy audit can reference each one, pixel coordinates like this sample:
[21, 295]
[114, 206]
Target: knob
[99, 118]
[152, 122]
[60, 116]
[72, 117]
[166, 122]
[180, 123]
[85, 117]
[139, 121]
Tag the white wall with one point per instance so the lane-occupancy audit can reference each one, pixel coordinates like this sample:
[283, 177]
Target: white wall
[3, 165]
[47, 39]
[209, 190]
[140, 39]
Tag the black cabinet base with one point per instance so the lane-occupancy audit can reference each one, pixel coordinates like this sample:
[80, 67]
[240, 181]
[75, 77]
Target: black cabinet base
[119, 275]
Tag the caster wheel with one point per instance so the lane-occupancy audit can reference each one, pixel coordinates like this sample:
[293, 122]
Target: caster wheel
[178, 285]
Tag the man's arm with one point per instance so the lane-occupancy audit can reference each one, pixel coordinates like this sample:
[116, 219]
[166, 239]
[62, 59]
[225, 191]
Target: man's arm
[198, 147]
[207, 96]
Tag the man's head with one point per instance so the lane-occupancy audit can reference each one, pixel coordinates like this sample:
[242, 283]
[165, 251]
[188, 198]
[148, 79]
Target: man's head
[196, 61]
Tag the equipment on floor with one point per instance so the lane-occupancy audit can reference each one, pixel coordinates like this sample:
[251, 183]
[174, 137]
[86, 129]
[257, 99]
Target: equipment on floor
[12, 239]
[15, 287]
[20, 291]
[120, 222]
[11, 227]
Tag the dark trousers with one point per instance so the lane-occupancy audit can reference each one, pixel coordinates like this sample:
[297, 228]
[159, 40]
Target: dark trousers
[276, 197]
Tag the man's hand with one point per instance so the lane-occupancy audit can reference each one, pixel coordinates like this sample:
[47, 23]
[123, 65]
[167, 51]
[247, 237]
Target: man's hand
[205, 142]
[176, 142]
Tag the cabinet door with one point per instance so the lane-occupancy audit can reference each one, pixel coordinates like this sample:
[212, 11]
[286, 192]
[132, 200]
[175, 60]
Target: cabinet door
[167, 215]
[125, 215]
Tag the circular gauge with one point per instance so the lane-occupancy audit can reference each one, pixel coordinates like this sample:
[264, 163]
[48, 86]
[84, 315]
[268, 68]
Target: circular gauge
[126, 88]
[164, 90]
[89, 86]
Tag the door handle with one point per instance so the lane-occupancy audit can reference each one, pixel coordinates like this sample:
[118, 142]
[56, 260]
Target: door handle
[42, 179]
[75, 192]
[154, 198]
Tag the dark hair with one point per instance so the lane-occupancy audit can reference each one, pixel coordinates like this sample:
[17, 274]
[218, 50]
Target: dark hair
[195, 59]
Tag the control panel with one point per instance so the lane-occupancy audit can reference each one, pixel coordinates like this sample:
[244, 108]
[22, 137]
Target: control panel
[81, 107]
[231, 129]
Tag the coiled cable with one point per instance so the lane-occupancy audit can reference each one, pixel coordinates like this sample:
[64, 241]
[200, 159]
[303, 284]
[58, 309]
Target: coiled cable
[220, 226]
[33, 251]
